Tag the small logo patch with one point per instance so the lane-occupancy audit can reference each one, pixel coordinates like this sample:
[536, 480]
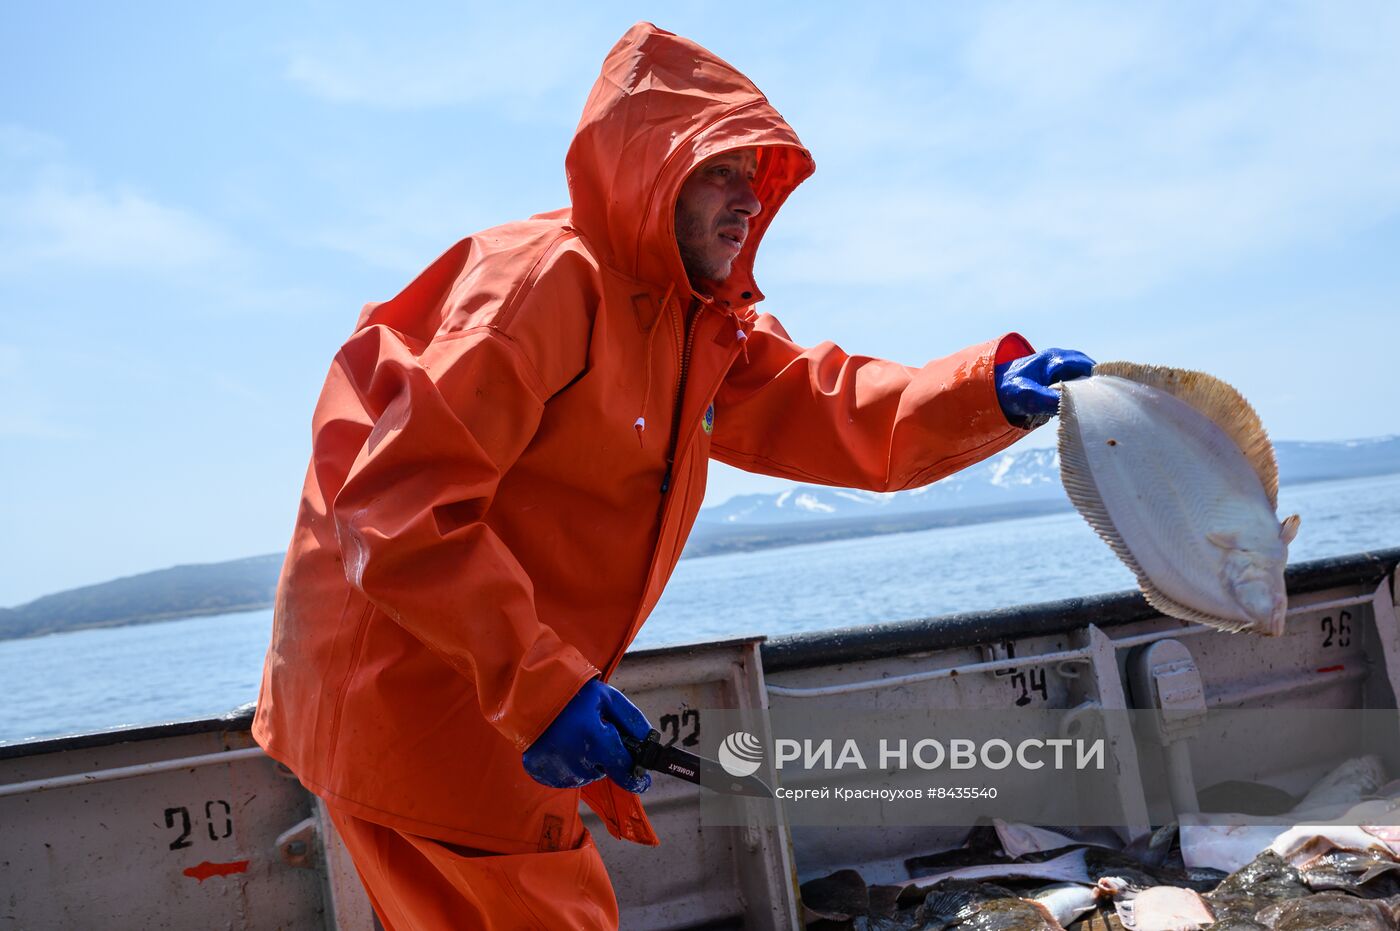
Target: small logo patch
[709, 421]
[552, 836]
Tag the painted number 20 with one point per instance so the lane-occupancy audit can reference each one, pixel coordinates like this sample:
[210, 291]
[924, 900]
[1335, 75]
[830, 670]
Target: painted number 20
[218, 816]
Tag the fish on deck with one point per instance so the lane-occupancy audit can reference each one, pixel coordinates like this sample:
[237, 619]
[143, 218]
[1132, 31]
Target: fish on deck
[1328, 911]
[1163, 908]
[960, 905]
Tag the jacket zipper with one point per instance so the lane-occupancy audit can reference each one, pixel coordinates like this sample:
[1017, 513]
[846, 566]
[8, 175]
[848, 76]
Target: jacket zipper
[686, 349]
[656, 552]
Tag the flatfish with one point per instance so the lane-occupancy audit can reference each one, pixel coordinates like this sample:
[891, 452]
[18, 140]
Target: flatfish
[1173, 469]
[959, 905]
[838, 897]
[1069, 867]
[1164, 908]
[1265, 881]
[1364, 828]
[1327, 911]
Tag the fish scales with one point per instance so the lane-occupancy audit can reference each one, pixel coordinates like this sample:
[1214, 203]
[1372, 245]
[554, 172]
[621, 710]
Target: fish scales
[1173, 470]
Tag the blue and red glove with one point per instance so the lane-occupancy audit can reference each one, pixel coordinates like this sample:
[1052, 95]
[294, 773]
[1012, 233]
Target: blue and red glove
[584, 743]
[1023, 385]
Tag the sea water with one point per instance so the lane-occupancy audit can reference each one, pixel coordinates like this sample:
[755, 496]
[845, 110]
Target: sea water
[200, 667]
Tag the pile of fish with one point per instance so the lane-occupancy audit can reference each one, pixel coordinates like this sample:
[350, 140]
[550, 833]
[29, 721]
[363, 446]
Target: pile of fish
[1337, 873]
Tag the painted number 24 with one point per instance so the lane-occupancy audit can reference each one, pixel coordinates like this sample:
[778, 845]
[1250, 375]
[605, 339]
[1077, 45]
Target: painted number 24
[1027, 682]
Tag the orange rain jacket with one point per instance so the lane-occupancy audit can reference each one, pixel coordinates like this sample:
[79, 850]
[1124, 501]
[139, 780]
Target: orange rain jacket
[482, 528]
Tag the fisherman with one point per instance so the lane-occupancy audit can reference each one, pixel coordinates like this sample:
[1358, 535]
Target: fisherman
[506, 460]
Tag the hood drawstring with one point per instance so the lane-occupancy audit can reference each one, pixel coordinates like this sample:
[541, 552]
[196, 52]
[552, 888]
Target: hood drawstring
[640, 425]
[740, 334]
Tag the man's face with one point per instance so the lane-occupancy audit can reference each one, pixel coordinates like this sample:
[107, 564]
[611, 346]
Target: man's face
[713, 211]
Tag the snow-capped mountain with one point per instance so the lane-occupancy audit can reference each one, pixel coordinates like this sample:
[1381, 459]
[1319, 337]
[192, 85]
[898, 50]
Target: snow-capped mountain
[1021, 476]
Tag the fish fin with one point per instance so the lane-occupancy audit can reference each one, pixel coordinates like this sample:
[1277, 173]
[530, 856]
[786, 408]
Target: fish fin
[1375, 871]
[1289, 529]
[1217, 400]
[1078, 480]
[1226, 541]
[1173, 608]
[1125, 906]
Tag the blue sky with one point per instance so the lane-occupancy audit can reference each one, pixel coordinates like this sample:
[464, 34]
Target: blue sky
[196, 199]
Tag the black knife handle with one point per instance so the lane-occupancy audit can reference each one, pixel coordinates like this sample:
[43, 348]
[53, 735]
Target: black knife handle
[644, 752]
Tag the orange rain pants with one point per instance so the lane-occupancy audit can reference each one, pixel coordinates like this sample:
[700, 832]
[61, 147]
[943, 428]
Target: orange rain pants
[420, 884]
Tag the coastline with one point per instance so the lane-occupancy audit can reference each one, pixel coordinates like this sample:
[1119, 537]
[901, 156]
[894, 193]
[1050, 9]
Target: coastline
[154, 618]
[706, 540]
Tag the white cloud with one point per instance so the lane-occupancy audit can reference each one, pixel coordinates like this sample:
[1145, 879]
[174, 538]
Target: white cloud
[405, 227]
[57, 221]
[1074, 152]
[507, 57]
[21, 142]
[55, 216]
[1050, 55]
[122, 229]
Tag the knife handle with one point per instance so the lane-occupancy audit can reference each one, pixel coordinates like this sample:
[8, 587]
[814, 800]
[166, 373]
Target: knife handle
[644, 752]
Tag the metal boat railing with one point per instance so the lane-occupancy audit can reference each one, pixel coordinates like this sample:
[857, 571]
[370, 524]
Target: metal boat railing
[190, 825]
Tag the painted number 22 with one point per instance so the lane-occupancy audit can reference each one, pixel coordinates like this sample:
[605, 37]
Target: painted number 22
[683, 728]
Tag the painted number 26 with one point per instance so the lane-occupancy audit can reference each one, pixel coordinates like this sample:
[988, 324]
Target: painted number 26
[1338, 634]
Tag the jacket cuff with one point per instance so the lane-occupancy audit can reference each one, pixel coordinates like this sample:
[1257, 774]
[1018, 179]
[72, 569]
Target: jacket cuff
[539, 694]
[1012, 346]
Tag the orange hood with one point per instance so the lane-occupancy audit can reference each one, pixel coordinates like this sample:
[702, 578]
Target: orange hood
[660, 107]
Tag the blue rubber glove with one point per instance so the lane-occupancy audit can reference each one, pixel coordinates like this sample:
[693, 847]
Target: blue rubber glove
[1023, 385]
[583, 743]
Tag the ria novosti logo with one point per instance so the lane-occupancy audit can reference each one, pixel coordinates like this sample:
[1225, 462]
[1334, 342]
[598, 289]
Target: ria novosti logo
[741, 754]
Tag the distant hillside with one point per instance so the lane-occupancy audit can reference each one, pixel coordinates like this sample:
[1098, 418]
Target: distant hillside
[1317, 462]
[1016, 483]
[180, 591]
[711, 540]
[1014, 478]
